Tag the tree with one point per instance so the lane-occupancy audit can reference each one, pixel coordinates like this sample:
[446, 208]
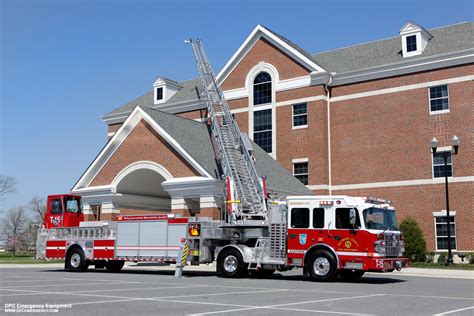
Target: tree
[14, 226]
[7, 185]
[37, 206]
[415, 244]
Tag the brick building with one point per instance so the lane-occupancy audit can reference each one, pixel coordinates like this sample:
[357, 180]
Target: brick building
[355, 121]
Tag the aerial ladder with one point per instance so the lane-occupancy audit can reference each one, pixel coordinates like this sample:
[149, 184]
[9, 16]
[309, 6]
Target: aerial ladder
[245, 189]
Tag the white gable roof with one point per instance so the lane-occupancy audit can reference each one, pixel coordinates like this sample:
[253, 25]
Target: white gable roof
[258, 33]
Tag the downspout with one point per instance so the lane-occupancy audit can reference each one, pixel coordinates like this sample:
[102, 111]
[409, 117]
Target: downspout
[327, 87]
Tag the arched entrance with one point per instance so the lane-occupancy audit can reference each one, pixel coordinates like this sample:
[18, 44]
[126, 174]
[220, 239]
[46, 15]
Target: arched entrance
[139, 188]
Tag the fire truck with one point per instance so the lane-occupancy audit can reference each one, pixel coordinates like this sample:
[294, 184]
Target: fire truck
[257, 234]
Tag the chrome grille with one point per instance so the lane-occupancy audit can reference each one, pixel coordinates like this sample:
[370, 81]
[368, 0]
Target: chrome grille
[392, 245]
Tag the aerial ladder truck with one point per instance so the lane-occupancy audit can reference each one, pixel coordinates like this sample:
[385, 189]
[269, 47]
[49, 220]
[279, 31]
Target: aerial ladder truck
[326, 236]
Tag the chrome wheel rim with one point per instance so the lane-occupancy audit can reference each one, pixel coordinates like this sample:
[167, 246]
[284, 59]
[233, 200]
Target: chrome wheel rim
[321, 266]
[75, 260]
[230, 264]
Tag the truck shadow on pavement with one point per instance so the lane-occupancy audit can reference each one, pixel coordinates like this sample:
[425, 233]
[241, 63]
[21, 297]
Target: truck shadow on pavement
[372, 278]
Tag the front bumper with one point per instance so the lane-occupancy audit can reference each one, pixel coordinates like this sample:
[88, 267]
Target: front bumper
[386, 264]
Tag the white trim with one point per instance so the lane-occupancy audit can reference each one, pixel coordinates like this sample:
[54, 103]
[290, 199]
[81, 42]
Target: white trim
[273, 72]
[298, 160]
[403, 88]
[281, 85]
[318, 187]
[392, 183]
[134, 118]
[110, 134]
[138, 165]
[429, 99]
[283, 103]
[443, 213]
[257, 33]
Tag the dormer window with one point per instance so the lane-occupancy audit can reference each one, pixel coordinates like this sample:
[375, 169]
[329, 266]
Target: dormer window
[414, 39]
[159, 94]
[164, 89]
[411, 43]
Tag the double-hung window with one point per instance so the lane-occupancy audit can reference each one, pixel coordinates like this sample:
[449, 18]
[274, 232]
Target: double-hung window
[439, 169]
[300, 115]
[439, 99]
[441, 223]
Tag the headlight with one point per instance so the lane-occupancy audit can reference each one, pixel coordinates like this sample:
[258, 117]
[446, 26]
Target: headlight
[379, 246]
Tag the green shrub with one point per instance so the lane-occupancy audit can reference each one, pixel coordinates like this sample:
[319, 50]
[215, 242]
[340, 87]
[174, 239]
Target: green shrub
[415, 244]
[470, 257]
[442, 258]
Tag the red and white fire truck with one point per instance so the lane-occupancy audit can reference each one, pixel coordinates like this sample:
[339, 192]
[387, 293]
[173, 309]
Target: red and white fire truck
[325, 235]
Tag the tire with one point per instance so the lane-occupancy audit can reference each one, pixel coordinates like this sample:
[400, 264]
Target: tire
[322, 266]
[114, 265]
[262, 273]
[76, 260]
[351, 275]
[230, 264]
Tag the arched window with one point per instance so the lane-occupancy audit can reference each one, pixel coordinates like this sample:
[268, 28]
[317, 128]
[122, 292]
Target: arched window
[262, 89]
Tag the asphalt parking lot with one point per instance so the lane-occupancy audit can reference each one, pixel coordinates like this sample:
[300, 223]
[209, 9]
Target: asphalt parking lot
[144, 291]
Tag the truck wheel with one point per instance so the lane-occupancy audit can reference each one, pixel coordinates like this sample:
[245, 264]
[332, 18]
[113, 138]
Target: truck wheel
[231, 264]
[76, 261]
[262, 273]
[114, 265]
[322, 266]
[351, 275]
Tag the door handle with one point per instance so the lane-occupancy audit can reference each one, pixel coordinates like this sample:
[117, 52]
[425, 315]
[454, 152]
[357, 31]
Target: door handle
[337, 237]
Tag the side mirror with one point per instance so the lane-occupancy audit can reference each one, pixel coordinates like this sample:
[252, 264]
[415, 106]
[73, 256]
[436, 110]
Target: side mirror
[352, 216]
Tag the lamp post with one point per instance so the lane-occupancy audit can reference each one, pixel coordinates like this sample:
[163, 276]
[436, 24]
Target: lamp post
[446, 154]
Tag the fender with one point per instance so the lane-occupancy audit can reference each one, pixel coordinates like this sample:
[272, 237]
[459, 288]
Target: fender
[245, 251]
[322, 246]
[86, 246]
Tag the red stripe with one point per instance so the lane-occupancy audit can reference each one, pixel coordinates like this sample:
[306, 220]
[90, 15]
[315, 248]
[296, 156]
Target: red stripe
[177, 221]
[103, 243]
[56, 243]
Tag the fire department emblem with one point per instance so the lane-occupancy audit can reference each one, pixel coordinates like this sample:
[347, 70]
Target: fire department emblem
[55, 220]
[303, 239]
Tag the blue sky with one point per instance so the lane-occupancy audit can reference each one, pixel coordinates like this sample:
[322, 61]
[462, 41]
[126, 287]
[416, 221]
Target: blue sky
[66, 63]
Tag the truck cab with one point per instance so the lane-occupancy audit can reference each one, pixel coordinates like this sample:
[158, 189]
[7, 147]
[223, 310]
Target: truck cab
[63, 210]
[352, 235]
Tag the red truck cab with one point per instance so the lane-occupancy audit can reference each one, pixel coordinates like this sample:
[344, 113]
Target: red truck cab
[63, 210]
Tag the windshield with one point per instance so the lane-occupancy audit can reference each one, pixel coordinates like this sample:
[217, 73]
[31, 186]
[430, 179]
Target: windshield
[73, 205]
[380, 218]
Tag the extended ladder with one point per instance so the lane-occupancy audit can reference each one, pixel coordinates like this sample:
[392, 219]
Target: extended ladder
[237, 165]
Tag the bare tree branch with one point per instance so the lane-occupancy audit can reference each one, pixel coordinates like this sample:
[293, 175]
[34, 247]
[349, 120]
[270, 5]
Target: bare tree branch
[37, 206]
[13, 227]
[7, 185]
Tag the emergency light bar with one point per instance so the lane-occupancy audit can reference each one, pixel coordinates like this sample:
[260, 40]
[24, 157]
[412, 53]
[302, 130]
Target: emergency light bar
[375, 200]
[326, 203]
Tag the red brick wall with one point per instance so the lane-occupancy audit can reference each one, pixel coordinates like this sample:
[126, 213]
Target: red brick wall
[266, 52]
[386, 137]
[143, 143]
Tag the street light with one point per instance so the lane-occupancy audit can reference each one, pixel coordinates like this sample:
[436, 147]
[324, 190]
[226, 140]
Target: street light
[456, 141]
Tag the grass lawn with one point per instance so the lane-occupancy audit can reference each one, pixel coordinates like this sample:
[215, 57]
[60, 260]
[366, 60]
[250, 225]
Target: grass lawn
[433, 265]
[6, 258]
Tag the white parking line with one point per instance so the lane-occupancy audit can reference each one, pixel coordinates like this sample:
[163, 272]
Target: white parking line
[289, 304]
[455, 311]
